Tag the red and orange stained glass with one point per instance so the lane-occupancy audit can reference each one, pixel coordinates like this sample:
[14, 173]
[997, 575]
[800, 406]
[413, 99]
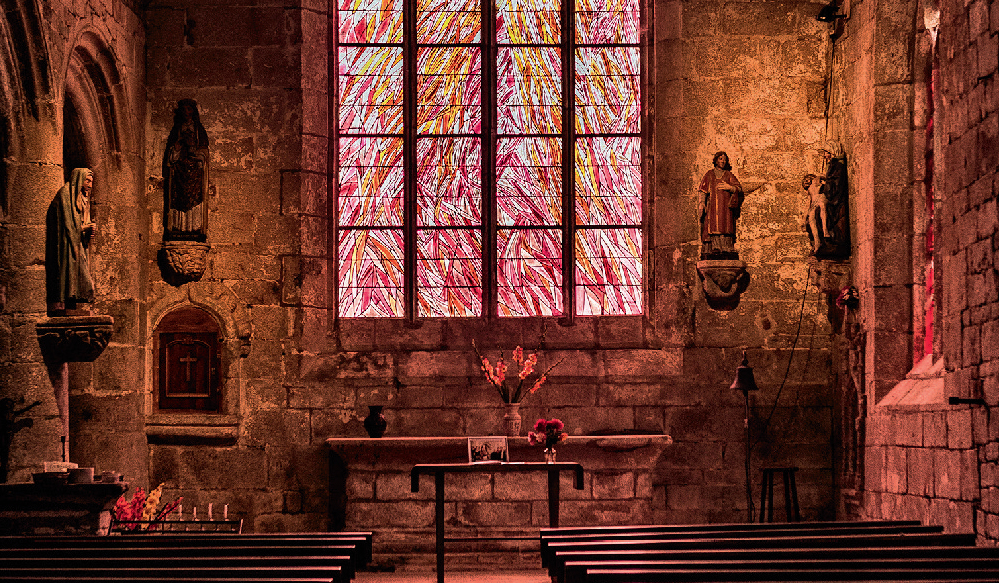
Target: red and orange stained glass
[529, 272]
[608, 274]
[448, 87]
[608, 181]
[449, 272]
[370, 189]
[448, 21]
[528, 181]
[534, 22]
[607, 21]
[370, 21]
[526, 186]
[529, 90]
[608, 95]
[449, 191]
[371, 272]
[370, 89]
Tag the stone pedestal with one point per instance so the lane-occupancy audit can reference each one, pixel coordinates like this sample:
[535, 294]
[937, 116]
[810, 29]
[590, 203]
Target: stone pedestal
[723, 281]
[70, 509]
[184, 261]
[370, 490]
[66, 339]
[74, 338]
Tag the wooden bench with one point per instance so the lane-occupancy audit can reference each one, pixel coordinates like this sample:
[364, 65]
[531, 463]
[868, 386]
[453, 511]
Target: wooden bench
[726, 526]
[185, 556]
[345, 563]
[328, 574]
[560, 552]
[735, 532]
[576, 564]
[361, 540]
[576, 571]
[869, 574]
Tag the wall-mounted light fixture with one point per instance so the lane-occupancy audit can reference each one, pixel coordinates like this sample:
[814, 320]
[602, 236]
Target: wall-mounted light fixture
[830, 12]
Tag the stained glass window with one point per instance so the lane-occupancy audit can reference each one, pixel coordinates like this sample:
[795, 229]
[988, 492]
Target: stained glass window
[488, 158]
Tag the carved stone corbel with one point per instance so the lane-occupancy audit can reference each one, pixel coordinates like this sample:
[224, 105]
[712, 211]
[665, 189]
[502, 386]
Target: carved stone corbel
[74, 338]
[723, 281]
[184, 261]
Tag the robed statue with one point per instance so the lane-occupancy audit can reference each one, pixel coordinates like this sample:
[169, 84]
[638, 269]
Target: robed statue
[719, 204]
[68, 231]
[185, 176]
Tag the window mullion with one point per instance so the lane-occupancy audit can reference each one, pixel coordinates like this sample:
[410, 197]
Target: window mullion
[488, 101]
[568, 160]
[409, 53]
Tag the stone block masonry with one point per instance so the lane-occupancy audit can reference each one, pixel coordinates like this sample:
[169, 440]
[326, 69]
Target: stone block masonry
[370, 488]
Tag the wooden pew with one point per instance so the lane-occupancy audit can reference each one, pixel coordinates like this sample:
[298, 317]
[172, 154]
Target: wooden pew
[724, 526]
[559, 552]
[576, 563]
[329, 574]
[734, 532]
[329, 557]
[576, 571]
[344, 563]
[116, 578]
[870, 574]
[361, 540]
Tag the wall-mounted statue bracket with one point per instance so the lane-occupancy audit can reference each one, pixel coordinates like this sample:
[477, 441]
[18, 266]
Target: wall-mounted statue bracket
[74, 338]
[66, 339]
[183, 261]
[723, 281]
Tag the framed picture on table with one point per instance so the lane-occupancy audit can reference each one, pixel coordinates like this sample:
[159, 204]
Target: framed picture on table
[488, 449]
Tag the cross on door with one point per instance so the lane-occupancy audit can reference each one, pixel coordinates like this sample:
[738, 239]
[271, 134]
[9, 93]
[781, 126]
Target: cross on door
[189, 360]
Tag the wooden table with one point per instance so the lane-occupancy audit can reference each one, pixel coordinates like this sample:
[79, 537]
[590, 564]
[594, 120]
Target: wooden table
[440, 470]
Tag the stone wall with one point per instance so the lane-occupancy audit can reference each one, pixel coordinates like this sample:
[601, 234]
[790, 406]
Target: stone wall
[747, 77]
[968, 233]
[924, 458]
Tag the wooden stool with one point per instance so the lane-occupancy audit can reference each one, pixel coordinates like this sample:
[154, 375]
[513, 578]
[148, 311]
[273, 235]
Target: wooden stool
[791, 510]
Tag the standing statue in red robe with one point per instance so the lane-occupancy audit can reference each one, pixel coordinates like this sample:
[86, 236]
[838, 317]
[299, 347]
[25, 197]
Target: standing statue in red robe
[718, 208]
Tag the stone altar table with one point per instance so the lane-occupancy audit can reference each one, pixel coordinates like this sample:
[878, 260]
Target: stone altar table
[370, 488]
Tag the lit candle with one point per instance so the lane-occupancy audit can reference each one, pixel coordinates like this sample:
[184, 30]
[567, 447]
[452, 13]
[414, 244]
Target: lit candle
[225, 512]
[194, 513]
[209, 511]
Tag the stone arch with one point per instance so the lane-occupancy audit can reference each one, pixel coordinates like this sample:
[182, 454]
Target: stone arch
[94, 92]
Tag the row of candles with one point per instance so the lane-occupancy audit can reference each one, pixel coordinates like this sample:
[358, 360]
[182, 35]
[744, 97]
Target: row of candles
[194, 512]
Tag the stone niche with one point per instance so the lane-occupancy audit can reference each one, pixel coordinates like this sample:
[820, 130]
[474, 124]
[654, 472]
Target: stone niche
[370, 490]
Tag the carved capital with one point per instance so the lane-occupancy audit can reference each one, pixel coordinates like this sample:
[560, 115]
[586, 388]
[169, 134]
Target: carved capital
[723, 281]
[74, 338]
[184, 260]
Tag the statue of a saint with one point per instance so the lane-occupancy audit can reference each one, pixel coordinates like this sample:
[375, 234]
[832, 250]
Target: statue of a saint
[185, 176]
[718, 208]
[69, 228]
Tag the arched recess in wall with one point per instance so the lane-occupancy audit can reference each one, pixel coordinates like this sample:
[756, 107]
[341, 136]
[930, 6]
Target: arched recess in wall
[96, 131]
[232, 319]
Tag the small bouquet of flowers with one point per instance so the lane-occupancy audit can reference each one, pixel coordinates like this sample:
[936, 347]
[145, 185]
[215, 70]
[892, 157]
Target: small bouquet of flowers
[548, 432]
[496, 374]
[140, 513]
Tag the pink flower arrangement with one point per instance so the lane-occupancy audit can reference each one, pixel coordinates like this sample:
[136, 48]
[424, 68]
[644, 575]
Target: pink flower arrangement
[496, 374]
[140, 512]
[548, 432]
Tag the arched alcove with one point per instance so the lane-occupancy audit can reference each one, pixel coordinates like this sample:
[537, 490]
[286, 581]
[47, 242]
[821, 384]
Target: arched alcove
[188, 364]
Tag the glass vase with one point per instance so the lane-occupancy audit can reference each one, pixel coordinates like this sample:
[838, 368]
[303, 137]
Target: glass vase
[550, 455]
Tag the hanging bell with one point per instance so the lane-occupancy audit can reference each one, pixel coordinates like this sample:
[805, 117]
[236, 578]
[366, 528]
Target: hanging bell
[744, 380]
